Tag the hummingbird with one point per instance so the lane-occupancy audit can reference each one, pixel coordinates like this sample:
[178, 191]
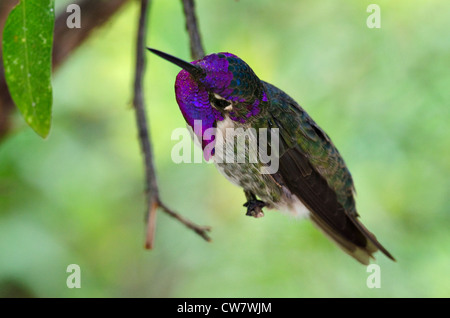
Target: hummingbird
[311, 180]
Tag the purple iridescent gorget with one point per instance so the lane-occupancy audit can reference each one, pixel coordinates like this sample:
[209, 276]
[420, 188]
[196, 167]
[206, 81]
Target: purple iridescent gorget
[225, 76]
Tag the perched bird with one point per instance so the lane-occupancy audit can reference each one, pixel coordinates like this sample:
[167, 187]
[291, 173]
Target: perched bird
[222, 92]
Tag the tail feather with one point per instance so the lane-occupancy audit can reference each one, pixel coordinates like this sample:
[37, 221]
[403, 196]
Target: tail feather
[362, 254]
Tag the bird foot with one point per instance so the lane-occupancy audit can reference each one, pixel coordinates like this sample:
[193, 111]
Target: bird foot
[254, 208]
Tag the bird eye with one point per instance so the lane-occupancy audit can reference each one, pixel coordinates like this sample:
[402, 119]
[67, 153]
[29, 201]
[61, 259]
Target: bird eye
[219, 102]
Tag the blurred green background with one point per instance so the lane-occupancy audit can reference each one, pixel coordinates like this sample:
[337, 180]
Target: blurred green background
[381, 94]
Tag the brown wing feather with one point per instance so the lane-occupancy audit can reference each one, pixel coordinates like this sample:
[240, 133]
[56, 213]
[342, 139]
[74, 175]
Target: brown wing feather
[326, 212]
[306, 172]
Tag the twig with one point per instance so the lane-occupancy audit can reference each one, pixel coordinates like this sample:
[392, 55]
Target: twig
[200, 230]
[197, 51]
[141, 122]
[153, 198]
[96, 13]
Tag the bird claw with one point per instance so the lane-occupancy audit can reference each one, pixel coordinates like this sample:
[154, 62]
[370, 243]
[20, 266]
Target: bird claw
[254, 208]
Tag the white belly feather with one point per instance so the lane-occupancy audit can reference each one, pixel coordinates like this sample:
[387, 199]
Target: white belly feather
[288, 202]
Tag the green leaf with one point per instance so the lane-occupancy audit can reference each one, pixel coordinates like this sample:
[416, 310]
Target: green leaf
[27, 59]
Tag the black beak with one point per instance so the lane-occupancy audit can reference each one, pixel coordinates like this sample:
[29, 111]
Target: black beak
[194, 70]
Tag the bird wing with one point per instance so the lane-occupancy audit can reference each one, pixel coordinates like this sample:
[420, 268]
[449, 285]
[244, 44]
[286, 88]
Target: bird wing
[311, 168]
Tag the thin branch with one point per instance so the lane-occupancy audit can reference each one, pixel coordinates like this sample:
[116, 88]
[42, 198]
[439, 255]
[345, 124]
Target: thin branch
[96, 13]
[139, 105]
[153, 198]
[200, 230]
[141, 122]
[197, 51]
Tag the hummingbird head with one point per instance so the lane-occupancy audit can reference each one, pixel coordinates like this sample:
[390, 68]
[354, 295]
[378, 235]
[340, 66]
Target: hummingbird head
[217, 86]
